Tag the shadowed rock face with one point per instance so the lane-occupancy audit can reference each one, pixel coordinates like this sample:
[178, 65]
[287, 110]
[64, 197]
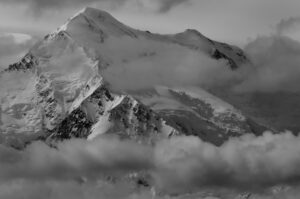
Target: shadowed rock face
[218, 55]
[76, 125]
[122, 114]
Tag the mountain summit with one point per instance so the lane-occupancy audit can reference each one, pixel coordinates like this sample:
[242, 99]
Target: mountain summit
[59, 90]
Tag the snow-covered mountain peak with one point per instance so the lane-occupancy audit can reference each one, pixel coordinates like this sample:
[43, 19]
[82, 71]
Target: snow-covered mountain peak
[91, 28]
[96, 13]
[91, 21]
[92, 13]
[63, 90]
[194, 32]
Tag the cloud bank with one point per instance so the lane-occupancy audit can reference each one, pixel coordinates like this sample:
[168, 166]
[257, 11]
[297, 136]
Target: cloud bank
[275, 65]
[275, 61]
[142, 63]
[248, 162]
[178, 165]
[73, 159]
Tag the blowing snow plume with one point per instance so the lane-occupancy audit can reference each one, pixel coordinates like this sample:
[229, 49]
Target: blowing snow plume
[178, 165]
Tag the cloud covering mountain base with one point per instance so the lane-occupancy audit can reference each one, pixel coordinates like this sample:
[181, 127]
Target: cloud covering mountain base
[179, 165]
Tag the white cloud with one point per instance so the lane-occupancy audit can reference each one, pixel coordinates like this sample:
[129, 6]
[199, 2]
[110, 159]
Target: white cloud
[144, 64]
[275, 65]
[178, 165]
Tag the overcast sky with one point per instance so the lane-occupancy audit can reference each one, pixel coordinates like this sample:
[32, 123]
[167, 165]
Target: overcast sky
[234, 21]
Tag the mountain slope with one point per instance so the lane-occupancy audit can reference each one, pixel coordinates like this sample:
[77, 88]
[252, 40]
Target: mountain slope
[193, 111]
[91, 27]
[60, 90]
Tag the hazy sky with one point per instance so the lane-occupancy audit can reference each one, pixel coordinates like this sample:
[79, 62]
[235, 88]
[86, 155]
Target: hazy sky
[233, 21]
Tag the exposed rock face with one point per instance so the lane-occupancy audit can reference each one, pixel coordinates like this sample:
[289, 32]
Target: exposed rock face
[76, 125]
[27, 63]
[104, 112]
[218, 55]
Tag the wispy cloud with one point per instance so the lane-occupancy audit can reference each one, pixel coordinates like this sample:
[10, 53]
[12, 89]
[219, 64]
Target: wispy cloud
[288, 24]
[39, 6]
